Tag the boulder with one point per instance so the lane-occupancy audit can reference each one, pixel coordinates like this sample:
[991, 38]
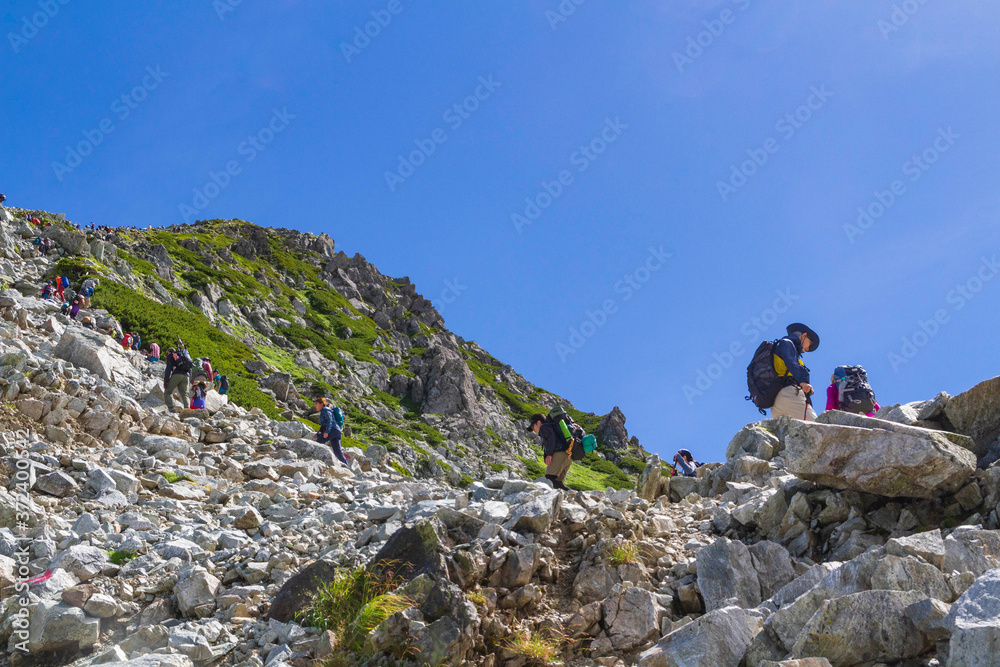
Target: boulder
[726, 575]
[632, 618]
[56, 483]
[976, 413]
[296, 592]
[196, 590]
[651, 480]
[82, 561]
[718, 639]
[57, 626]
[214, 401]
[414, 550]
[773, 565]
[536, 514]
[863, 628]
[974, 622]
[754, 440]
[877, 461]
[927, 545]
[98, 353]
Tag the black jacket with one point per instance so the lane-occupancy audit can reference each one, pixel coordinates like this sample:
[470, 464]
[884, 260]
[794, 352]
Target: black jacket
[789, 350]
[551, 442]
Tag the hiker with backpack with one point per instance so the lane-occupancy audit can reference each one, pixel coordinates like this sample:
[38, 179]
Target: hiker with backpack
[175, 377]
[849, 391]
[223, 384]
[779, 379]
[331, 425]
[87, 291]
[198, 396]
[557, 433]
[154, 352]
[60, 288]
[206, 365]
[74, 309]
[684, 464]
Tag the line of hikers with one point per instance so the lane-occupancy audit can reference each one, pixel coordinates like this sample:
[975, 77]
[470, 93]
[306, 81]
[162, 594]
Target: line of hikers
[778, 379]
[189, 377]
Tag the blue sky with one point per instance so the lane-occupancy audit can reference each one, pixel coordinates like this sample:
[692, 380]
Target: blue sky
[626, 124]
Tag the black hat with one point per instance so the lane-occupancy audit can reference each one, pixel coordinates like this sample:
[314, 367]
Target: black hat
[801, 328]
[535, 418]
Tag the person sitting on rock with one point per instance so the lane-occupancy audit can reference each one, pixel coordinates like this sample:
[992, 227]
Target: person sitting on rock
[793, 400]
[557, 460]
[329, 430]
[198, 396]
[175, 376]
[88, 322]
[154, 352]
[685, 464]
[47, 291]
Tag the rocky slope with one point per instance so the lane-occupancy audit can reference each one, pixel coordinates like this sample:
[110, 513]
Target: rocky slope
[199, 538]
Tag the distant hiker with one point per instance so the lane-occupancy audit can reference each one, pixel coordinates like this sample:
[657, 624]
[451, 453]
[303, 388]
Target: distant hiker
[175, 377]
[554, 449]
[60, 288]
[154, 352]
[136, 341]
[65, 308]
[223, 382]
[46, 246]
[87, 291]
[88, 322]
[778, 379]
[206, 365]
[74, 310]
[126, 341]
[685, 464]
[198, 396]
[47, 291]
[331, 424]
[849, 391]
[3, 198]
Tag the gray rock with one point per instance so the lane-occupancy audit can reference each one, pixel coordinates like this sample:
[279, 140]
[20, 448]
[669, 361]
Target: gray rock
[754, 440]
[969, 549]
[773, 565]
[877, 461]
[718, 639]
[98, 353]
[976, 413]
[862, 628]
[82, 561]
[927, 545]
[651, 480]
[56, 483]
[56, 626]
[911, 574]
[726, 572]
[934, 408]
[520, 566]
[196, 590]
[535, 515]
[974, 622]
[930, 617]
[632, 618]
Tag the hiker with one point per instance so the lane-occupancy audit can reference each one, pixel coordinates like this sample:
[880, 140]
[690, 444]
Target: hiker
[87, 291]
[206, 365]
[88, 322]
[74, 309]
[3, 198]
[223, 381]
[47, 291]
[154, 352]
[136, 341]
[794, 398]
[126, 341]
[685, 464]
[60, 288]
[849, 391]
[557, 460]
[46, 246]
[198, 396]
[175, 377]
[197, 372]
[331, 424]
[65, 308]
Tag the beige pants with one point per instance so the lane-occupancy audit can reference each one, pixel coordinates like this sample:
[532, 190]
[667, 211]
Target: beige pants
[559, 466]
[791, 402]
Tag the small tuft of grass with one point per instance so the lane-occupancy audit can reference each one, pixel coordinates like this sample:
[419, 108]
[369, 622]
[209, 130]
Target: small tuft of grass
[622, 553]
[477, 598]
[538, 649]
[120, 557]
[172, 476]
[353, 604]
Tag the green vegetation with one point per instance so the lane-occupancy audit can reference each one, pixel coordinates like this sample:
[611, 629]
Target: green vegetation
[163, 323]
[622, 553]
[634, 466]
[120, 557]
[400, 469]
[352, 605]
[538, 649]
[172, 476]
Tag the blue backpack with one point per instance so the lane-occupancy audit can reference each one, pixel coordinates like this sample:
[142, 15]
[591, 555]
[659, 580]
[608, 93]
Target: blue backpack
[338, 416]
